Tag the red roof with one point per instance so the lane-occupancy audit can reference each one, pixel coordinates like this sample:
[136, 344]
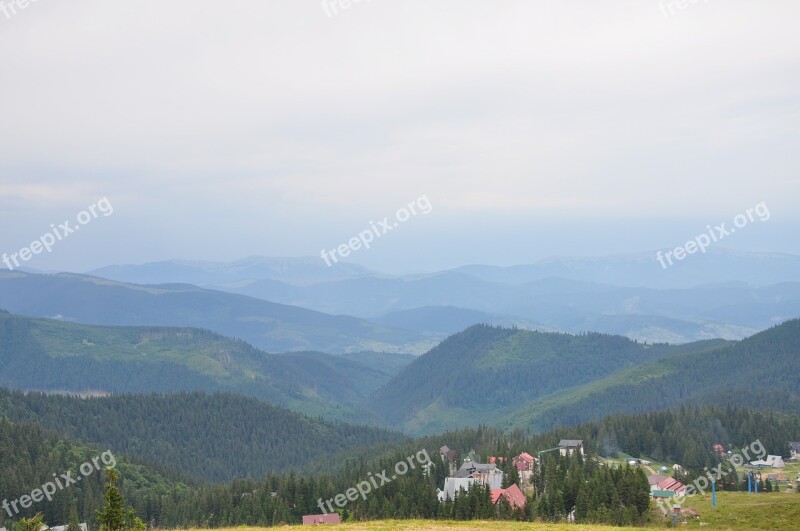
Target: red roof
[317, 519]
[672, 484]
[526, 456]
[512, 494]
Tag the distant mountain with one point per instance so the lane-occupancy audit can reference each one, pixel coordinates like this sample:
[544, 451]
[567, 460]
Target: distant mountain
[722, 293]
[292, 270]
[439, 304]
[50, 355]
[482, 372]
[214, 437]
[267, 325]
[717, 265]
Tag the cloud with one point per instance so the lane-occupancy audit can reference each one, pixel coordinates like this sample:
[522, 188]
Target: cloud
[603, 109]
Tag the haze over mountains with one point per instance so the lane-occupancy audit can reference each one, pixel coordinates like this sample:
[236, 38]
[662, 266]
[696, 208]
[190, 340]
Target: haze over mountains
[723, 293]
[566, 349]
[507, 378]
[275, 327]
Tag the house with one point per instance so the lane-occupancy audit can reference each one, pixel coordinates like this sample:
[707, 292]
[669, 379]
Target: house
[320, 519]
[64, 527]
[513, 494]
[718, 449]
[447, 454]
[486, 473]
[659, 482]
[794, 450]
[493, 460]
[524, 462]
[569, 446]
[452, 487]
[657, 494]
[775, 461]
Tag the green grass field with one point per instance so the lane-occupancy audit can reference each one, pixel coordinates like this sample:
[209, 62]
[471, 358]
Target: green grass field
[436, 525]
[739, 510]
[735, 510]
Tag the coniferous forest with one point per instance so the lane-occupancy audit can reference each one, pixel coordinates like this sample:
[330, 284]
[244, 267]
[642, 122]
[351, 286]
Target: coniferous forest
[43, 437]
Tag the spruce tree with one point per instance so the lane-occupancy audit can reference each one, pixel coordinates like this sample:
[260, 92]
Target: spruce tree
[74, 523]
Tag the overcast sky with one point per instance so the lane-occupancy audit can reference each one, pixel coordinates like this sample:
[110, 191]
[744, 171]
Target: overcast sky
[219, 130]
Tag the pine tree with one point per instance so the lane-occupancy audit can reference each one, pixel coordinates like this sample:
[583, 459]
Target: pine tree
[112, 516]
[74, 523]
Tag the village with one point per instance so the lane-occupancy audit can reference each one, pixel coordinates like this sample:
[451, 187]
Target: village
[472, 473]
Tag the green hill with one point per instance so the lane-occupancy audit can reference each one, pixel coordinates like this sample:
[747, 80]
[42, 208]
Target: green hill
[760, 371]
[267, 325]
[476, 375]
[215, 437]
[50, 355]
[30, 457]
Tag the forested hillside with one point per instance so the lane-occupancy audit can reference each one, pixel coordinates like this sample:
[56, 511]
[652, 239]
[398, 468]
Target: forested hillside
[212, 432]
[760, 371]
[29, 457]
[43, 354]
[475, 374]
[215, 437]
[267, 325]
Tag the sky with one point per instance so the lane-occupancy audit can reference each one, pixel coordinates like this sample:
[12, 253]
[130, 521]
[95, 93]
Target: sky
[220, 130]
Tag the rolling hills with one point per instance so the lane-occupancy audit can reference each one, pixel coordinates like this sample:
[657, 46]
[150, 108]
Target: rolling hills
[723, 293]
[761, 371]
[51, 355]
[519, 379]
[267, 325]
[213, 437]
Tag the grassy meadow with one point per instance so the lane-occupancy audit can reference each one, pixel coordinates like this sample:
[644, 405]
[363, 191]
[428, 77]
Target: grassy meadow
[735, 510]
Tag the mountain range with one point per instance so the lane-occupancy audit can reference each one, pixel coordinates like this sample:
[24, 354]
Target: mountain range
[504, 377]
[727, 294]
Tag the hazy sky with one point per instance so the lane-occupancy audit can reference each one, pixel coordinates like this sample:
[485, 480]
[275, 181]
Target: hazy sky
[219, 130]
